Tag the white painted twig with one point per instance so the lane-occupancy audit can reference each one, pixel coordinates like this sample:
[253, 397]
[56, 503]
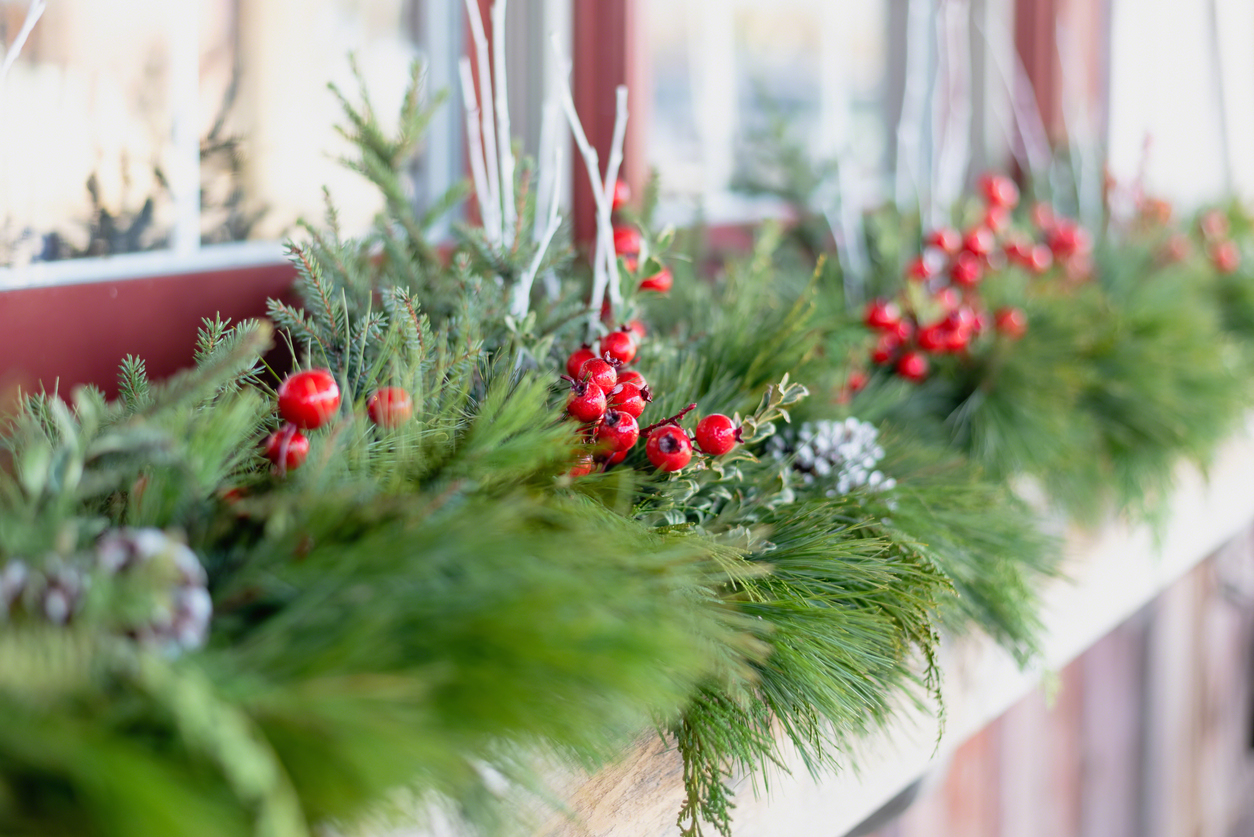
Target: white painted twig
[549, 187]
[1081, 143]
[844, 219]
[954, 152]
[910, 165]
[600, 277]
[545, 176]
[522, 291]
[489, 128]
[605, 224]
[488, 208]
[509, 212]
[1029, 121]
[1027, 159]
[33, 13]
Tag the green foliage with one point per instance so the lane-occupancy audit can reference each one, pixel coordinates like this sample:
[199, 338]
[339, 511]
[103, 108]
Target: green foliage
[418, 607]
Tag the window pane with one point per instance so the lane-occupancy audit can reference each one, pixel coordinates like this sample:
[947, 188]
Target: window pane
[723, 73]
[288, 51]
[85, 143]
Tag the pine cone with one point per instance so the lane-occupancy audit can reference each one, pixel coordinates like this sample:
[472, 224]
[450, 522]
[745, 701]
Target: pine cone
[842, 454]
[179, 619]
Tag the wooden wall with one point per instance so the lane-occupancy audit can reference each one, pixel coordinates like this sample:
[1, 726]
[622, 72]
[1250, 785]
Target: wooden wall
[1148, 734]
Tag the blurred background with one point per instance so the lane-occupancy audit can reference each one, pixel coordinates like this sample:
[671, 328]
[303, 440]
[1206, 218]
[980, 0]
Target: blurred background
[172, 125]
[192, 132]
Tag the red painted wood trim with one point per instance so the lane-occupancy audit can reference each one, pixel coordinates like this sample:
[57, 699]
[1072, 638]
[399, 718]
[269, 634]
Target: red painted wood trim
[68, 335]
[608, 51]
[1036, 38]
[1036, 42]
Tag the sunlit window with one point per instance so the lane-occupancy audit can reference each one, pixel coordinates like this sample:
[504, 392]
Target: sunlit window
[168, 127]
[724, 74]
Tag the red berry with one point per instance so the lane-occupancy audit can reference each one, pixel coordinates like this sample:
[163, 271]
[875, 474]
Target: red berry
[1176, 249]
[882, 314]
[920, 269]
[947, 298]
[716, 434]
[629, 398]
[390, 407]
[618, 431]
[979, 241]
[858, 379]
[932, 338]
[619, 345]
[1226, 257]
[999, 191]
[586, 401]
[957, 338]
[1041, 258]
[1067, 238]
[996, 218]
[885, 348]
[1011, 322]
[578, 358]
[669, 448]
[600, 372]
[1018, 249]
[1043, 216]
[967, 270]
[637, 328]
[612, 459]
[308, 399]
[661, 282]
[631, 376]
[622, 194]
[287, 447]
[582, 466]
[945, 239]
[912, 366]
[1214, 224]
[627, 240]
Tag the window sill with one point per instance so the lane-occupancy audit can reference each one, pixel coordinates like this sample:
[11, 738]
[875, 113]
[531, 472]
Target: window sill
[1114, 571]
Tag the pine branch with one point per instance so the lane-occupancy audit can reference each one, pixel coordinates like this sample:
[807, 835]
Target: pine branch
[133, 386]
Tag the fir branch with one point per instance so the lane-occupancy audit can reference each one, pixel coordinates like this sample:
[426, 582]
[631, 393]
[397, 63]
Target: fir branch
[133, 386]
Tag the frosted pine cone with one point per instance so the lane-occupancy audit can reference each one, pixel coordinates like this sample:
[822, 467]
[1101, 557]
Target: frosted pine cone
[843, 455]
[181, 607]
[160, 579]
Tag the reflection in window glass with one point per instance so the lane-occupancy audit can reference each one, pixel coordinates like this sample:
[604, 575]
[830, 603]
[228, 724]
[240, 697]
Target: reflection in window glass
[86, 132]
[724, 73]
[288, 51]
[150, 124]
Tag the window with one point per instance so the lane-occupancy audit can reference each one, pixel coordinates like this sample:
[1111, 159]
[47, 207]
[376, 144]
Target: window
[839, 75]
[172, 128]
[723, 73]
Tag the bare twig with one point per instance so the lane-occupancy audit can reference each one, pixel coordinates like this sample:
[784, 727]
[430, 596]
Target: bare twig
[509, 216]
[599, 275]
[33, 13]
[489, 128]
[489, 209]
[605, 228]
[522, 291]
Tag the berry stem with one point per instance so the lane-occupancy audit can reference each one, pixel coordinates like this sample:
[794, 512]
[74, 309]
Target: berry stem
[672, 420]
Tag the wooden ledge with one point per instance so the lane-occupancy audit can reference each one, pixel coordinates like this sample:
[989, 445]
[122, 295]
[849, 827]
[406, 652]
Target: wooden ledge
[1113, 572]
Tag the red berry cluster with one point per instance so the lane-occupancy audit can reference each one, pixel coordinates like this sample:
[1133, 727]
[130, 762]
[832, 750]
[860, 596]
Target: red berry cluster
[609, 399]
[1221, 249]
[628, 243]
[309, 399]
[941, 310]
